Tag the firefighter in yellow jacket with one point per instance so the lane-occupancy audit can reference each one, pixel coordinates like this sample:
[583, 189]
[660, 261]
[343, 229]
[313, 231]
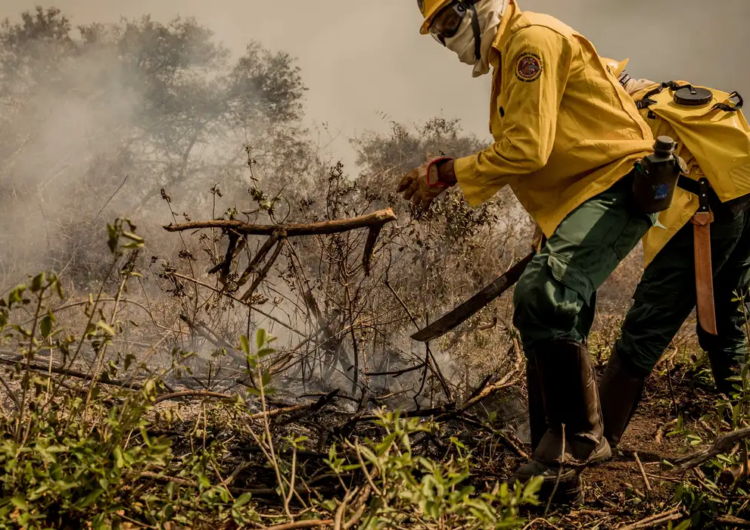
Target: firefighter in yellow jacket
[688, 263]
[567, 137]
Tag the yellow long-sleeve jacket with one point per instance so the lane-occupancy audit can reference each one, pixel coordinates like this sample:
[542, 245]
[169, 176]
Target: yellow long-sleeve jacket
[713, 143]
[564, 128]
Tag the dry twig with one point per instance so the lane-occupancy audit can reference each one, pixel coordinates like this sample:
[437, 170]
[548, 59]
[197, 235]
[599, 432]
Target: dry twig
[103, 379]
[655, 520]
[735, 522]
[643, 472]
[195, 394]
[223, 293]
[301, 524]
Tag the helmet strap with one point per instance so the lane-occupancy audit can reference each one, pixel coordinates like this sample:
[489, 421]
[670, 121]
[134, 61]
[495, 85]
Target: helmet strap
[477, 31]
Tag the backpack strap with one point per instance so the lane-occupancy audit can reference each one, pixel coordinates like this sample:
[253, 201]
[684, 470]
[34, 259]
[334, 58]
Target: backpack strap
[734, 102]
[646, 100]
[734, 98]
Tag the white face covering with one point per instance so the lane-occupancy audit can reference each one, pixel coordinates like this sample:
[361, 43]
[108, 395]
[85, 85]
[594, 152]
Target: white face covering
[632, 86]
[490, 14]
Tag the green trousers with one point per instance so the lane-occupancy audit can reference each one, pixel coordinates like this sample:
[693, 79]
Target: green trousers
[556, 296]
[666, 296]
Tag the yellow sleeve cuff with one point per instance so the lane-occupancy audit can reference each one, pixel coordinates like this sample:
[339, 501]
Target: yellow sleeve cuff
[475, 191]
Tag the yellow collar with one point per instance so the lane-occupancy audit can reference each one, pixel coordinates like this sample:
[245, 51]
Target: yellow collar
[502, 33]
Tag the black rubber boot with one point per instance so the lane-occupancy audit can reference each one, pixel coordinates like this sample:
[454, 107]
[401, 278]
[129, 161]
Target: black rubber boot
[537, 419]
[571, 404]
[723, 366]
[620, 391]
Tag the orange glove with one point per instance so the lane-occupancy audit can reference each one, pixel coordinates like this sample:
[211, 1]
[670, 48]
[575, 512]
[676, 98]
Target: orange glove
[424, 184]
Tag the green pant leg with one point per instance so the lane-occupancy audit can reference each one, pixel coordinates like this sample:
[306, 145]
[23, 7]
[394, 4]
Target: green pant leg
[554, 298]
[730, 290]
[663, 300]
[665, 296]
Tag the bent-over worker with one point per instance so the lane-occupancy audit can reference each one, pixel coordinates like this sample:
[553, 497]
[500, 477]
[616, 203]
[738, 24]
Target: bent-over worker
[688, 261]
[567, 137]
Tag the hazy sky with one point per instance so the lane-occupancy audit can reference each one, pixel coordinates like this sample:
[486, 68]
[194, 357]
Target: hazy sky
[363, 59]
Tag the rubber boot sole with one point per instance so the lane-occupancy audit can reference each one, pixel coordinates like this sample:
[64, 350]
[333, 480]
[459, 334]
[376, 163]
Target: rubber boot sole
[568, 493]
[566, 485]
[565, 488]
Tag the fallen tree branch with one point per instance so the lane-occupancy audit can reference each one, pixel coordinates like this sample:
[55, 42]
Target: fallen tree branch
[283, 452]
[430, 362]
[484, 394]
[515, 447]
[232, 252]
[655, 520]
[643, 472]
[315, 407]
[266, 269]
[596, 513]
[372, 239]
[426, 413]
[267, 246]
[664, 479]
[480, 387]
[735, 522]
[477, 397]
[374, 221]
[396, 373]
[201, 329]
[379, 218]
[233, 397]
[723, 444]
[287, 410]
[301, 524]
[103, 379]
[195, 393]
[224, 293]
[234, 490]
[339, 395]
[445, 412]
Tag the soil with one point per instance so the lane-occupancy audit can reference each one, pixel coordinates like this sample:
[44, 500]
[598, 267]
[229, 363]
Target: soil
[616, 493]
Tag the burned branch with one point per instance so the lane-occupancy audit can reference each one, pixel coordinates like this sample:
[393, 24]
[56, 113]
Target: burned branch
[723, 444]
[375, 219]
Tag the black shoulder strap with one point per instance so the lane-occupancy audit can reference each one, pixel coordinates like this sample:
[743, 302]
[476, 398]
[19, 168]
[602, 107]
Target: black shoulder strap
[735, 98]
[646, 100]
[475, 27]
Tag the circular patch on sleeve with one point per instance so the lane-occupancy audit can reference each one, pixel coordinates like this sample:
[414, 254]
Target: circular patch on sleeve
[529, 67]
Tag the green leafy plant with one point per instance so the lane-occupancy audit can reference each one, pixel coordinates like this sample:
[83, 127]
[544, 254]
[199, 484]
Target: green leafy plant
[407, 490]
[74, 453]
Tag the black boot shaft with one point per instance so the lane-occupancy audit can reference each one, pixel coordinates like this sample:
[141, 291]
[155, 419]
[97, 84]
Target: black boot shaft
[571, 398]
[620, 391]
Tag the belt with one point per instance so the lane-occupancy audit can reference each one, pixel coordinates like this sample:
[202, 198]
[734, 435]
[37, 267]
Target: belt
[723, 211]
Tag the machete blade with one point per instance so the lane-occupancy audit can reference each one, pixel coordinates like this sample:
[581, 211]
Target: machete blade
[472, 306]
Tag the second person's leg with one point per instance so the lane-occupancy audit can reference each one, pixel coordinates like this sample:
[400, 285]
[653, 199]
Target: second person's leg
[664, 299]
